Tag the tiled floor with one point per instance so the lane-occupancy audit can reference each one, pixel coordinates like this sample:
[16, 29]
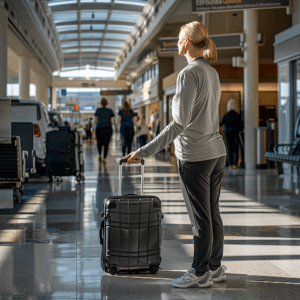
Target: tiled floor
[49, 244]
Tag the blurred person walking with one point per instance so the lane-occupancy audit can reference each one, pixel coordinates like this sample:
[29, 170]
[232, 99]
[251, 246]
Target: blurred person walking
[200, 152]
[127, 119]
[104, 118]
[89, 130]
[142, 132]
[233, 124]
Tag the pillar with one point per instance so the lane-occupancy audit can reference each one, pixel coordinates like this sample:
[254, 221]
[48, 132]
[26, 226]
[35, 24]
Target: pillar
[41, 90]
[24, 77]
[250, 86]
[296, 12]
[54, 99]
[3, 52]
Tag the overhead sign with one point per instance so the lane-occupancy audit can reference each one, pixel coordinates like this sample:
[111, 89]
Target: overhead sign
[71, 104]
[168, 44]
[224, 41]
[225, 5]
[115, 92]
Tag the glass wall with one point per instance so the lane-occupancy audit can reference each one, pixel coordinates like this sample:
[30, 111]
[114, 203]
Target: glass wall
[149, 74]
[297, 88]
[285, 117]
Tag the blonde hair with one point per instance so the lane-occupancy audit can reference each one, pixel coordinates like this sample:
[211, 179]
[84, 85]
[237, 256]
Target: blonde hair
[231, 105]
[196, 32]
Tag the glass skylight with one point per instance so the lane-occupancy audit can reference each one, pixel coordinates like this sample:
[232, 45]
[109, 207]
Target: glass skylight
[85, 29]
[89, 15]
[93, 1]
[125, 28]
[63, 28]
[125, 16]
[70, 50]
[117, 36]
[90, 43]
[132, 2]
[88, 73]
[113, 44]
[68, 36]
[91, 35]
[61, 2]
[64, 16]
[89, 49]
[110, 50]
[70, 44]
[94, 26]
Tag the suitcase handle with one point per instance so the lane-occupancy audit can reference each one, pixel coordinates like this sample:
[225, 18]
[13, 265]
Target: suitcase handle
[126, 159]
[120, 175]
[101, 232]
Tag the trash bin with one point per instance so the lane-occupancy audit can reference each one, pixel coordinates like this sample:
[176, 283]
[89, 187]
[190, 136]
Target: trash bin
[261, 138]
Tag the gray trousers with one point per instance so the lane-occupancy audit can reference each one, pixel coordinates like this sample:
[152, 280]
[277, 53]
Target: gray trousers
[201, 184]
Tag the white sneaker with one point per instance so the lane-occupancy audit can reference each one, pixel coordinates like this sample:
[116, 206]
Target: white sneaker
[218, 275]
[190, 278]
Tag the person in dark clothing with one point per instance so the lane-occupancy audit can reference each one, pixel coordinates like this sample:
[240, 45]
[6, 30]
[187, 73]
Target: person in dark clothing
[104, 117]
[127, 118]
[88, 130]
[232, 126]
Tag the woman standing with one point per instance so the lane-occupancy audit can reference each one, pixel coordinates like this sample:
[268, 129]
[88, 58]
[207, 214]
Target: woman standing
[233, 125]
[104, 118]
[200, 152]
[127, 119]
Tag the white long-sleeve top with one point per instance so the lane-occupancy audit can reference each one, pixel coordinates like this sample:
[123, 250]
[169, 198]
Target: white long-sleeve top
[195, 112]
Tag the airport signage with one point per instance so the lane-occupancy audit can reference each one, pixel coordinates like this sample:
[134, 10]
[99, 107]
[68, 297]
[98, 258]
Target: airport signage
[168, 45]
[224, 41]
[227, 5]
[115, 92]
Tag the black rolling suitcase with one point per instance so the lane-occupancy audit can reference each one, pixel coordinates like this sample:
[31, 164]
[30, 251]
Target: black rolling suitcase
[64, 154]
[131, 232]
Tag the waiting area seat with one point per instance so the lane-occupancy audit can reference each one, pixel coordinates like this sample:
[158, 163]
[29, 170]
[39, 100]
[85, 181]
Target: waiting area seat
[286, 153]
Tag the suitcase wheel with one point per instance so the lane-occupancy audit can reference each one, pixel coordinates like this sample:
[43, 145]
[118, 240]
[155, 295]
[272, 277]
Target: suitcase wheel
[112, 270]
[80, 178]
[154, 269]
[17, 195]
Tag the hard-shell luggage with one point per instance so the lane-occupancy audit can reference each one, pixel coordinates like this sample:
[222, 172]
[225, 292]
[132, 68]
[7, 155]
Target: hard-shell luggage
[64, 154]
[131, 232]
[13, 166]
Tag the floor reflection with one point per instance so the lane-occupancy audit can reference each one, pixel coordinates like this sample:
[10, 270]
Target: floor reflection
[49, 244]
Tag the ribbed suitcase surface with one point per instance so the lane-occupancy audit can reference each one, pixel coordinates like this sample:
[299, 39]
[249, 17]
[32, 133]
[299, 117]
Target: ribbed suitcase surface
[133, 232]
[11, 160]
[60, 153]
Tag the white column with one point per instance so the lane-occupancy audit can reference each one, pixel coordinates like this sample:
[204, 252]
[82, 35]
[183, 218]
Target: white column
[24, 77]
[250, 87]
[296, 13]
[54, 99]
[41, 90]
[3, 52]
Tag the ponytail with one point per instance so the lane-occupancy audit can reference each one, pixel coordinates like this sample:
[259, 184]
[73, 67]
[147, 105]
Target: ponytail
[211, 50]
[197, 33]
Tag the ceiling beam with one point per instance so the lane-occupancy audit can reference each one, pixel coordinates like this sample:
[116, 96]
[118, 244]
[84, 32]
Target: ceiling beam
[97, 6]
[95, 31]
[89, 54]
[89, 40]
[121, 23]
[88, 47]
